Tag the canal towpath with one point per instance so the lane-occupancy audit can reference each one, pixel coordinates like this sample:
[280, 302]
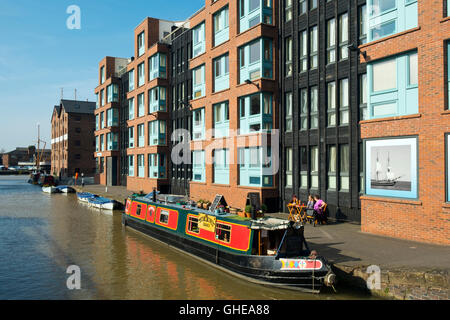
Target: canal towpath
[407, 269]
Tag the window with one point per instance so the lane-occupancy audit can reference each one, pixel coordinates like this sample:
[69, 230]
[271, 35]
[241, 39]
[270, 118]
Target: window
[314, 40]
[102, 75]
[314, 152]
[413, 66]
[198, 127]
[343, 102]
[131, 80]
[221, 166]
[157, 166]
[387, 17]
[331, 41]
[112, 117]
[221, 119]
[287, 10]
[303, 51]
[363, 97]
[362, 11]
[344, 167]
[198, 166]
[288, 56]
[141, 74]
[164, 217]
[332, 162]
[256, 60]
[312, 4]
[314, 110]
[253, 12]
[223, 232]
[131, 109]
[392, 85]
[384, 75]
[157, 66]
[221, 29]
[141, 166]
[193, 224]
[255, 113]
[254, 167]
[198, 34]
[102, 143]
[221, 73]
[141, 135]
[331, 103]
[289, 166]
[288, 115]
[303, 168]
[343, 36]
[303, 109]
[131, 166]
[141, 105]
[141, 44]
[131, 137]
[97, 122]
[198, 82]
[157, 99]
[157, 132]
[302, 7]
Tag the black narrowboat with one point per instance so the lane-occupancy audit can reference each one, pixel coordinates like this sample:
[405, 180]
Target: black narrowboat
[267, 251]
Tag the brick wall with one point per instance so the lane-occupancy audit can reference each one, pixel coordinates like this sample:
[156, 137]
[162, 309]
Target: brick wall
[427, 218]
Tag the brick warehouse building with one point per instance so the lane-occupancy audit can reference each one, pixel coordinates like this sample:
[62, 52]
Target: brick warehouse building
[408, 122]
[72, 138]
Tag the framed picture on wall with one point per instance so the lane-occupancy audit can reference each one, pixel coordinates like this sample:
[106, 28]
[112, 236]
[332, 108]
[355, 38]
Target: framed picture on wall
[391, 167]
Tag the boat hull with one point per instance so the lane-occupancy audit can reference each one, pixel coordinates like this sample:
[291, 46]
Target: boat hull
[50, 190]
[264, 270]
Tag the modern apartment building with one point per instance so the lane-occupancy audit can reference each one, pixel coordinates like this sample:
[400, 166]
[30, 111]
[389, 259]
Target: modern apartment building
[407, 124]
[319, 81]
[73, 141]
[107, 111]
[234, 100]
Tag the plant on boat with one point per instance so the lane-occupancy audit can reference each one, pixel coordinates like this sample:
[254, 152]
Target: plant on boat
[264, 208]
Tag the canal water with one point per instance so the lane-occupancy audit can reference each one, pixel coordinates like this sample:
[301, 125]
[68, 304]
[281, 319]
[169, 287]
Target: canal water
[41, 235]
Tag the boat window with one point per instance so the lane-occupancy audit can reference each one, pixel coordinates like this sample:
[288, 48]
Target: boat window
[223, 232]
[138, 210]
[164, 217]
[193, 225]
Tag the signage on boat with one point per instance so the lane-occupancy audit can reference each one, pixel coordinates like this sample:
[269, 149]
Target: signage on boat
[206, 222]
[300, 264]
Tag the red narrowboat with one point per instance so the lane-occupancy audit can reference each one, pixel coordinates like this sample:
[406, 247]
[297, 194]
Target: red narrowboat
[266, 250]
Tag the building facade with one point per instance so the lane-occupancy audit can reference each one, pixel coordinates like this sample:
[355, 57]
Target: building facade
[73, 124]
[407, 127]
[319, 82]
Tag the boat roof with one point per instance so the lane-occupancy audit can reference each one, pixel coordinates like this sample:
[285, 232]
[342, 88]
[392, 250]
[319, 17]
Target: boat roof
[264, 223]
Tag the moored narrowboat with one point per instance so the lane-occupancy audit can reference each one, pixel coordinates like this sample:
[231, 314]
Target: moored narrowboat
[267, 251]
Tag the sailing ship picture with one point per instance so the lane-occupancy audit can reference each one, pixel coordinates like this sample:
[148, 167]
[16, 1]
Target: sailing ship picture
[390, 165]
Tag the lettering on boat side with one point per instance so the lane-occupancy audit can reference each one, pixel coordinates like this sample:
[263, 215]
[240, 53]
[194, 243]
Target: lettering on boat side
[74, 281]
[206, 222]
[244, 309]
[300, 264]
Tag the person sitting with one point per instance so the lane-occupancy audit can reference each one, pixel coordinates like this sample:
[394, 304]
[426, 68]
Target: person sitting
[294, 199]
[310, 206]
[319, 206]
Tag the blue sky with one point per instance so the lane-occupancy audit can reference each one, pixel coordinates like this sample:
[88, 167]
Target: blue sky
[39, 55]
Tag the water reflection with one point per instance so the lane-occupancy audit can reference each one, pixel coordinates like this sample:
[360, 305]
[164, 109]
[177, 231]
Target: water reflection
[41, 235]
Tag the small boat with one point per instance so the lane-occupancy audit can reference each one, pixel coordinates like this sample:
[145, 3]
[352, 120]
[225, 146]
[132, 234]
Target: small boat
[102, 203]
[85, 196]
[266, 251]
[66, 189]
[50, 189]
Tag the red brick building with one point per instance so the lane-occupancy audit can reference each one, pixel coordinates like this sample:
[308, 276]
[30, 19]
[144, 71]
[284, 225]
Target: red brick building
[409, 123]
[72, 138]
